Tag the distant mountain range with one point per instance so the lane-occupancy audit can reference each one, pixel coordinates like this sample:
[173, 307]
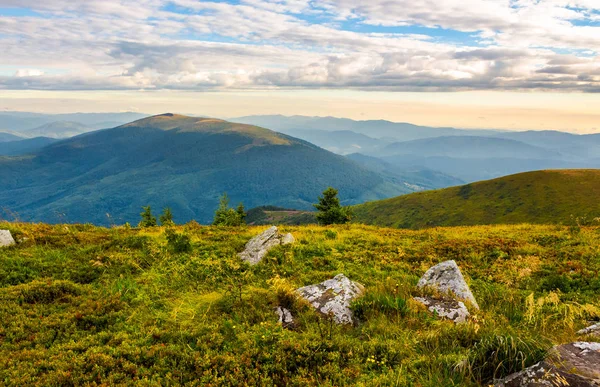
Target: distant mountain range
[464, 154]
[58, 129]
[182, 162]
[24, 121]
[379, 129]
[541, 197]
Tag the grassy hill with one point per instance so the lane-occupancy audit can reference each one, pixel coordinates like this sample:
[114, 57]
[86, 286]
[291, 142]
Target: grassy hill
[542, 197]
[182, 162]
[269, 215]
[82, 305]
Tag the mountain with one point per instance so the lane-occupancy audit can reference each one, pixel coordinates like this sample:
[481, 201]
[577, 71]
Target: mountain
[340, 141]
[380, 129]
[6, 137]
[579, 146]
[541, 197]
[22, 121]
[182, 162]
[22, 147]
[476, 169]
[417, 179]
[58, 129]
[468, 147]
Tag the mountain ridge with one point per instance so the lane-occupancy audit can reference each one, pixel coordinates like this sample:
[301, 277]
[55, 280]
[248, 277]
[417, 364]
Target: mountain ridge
[187, 167]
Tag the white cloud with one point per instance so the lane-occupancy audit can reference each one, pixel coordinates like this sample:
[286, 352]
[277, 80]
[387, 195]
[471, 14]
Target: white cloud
[117, 44]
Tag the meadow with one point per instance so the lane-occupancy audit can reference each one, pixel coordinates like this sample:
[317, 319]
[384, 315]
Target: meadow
[83, 305]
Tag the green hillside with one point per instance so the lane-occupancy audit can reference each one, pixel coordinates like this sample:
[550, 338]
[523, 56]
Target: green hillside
[270, 215]
[185, 163]
[88, 306]
[541, 197]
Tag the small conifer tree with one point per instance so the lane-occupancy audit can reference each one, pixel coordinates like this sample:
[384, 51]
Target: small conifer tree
[166, 218]
[148, 220]
[227, 216]
[330, 210]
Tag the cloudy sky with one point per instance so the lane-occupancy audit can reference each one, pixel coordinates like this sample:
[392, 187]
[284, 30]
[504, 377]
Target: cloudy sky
[470, 63]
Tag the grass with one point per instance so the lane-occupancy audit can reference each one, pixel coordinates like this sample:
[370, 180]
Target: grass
[543, 197]
[83, 305]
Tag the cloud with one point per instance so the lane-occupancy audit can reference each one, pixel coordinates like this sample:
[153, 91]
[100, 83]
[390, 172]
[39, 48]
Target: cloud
[388, 45]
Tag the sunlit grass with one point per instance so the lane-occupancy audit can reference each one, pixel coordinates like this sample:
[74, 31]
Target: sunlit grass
[84, 305]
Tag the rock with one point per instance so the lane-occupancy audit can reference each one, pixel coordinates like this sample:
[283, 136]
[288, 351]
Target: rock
[576, 365]
[450, 309]
[259, 246]
[446, 277]
[593, 330]
[285, 317]
[6, 238]
[287, 239]
[333, 297]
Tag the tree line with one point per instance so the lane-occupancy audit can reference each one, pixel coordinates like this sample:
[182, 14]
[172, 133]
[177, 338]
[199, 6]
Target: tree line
[329, 211]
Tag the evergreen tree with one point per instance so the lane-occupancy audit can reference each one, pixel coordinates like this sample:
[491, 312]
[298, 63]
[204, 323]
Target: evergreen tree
[227, 216]
[148, 220]
[241, 212]
[330, 210]
[166, 218]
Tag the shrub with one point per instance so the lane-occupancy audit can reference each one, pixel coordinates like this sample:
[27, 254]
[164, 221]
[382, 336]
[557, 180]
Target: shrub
[178, 243]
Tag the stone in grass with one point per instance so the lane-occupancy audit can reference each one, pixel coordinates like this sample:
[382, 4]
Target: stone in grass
[593, 330]
[447, 278]
[285, 317]
[6, 238]
[259, 246]
[575, 365]
[332, 297]
[446, 308]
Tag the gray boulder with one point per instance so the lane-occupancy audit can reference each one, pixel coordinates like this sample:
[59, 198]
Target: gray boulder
[593, 330]
[576, 365]
[6, 238]
[332, 297]
[447, 278]
[446, 308]
[259, 246]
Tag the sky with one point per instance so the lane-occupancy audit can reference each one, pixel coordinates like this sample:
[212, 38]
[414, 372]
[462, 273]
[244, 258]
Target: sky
[511, 64]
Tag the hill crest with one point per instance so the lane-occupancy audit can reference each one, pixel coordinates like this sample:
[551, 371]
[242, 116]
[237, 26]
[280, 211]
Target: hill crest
[539, 197]
[183, 124]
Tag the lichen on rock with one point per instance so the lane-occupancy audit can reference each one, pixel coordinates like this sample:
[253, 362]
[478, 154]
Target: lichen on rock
[260, 245]
[332, 297]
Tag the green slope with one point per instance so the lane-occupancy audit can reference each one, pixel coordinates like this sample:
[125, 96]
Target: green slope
[185, 163]
[542, 197]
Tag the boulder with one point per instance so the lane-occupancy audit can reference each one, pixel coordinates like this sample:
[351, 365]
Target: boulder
[259, 246]
[285, 317]
[446, 308]
[6, 238]
[287, 239]
[576, 365]
[332, 297]
[447, 278]
[593, 330]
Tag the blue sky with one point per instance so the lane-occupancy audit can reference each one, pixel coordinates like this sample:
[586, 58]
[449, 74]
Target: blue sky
[401, 46]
